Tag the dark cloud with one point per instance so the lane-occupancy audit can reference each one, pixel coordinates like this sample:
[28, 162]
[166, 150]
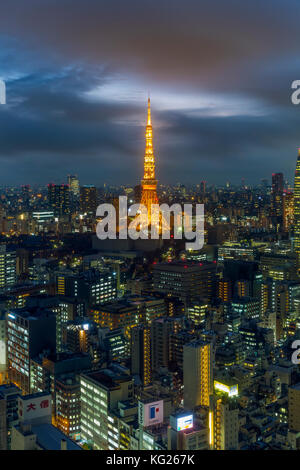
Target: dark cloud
[215, 148]
[173, 40]
[54, 52]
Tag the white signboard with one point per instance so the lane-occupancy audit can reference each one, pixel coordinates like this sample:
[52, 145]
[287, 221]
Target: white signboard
[151, 413]
[35, 407]
[184, 422]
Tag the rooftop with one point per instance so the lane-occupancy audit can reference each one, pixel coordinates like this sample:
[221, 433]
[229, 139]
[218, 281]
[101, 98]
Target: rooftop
[49, 438]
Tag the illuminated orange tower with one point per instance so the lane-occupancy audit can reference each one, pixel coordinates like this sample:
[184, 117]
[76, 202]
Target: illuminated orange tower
[149, 183]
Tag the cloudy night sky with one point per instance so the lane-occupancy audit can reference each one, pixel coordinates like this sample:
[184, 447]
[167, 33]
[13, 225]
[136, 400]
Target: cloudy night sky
[78, 73]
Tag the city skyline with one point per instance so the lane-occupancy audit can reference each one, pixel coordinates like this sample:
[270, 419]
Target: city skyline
[75, 103]
[150, 228]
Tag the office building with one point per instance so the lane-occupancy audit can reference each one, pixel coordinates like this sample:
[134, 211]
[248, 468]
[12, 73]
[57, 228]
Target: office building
[113, 344]
[7, 267]
[197, 374]
[29, 332]
[59, 199]
[67, 310]
[73, 183]
[43, 217]
[68, 404]
[46, 371]
[141, 353]
[161, 329]
[3, 347]
[288, 210]
[277, 200]
[297, 212]
[185, 280]
[225, 290]
[9, 395]
[177, 341]
[247, 307]
[197, 311]
[119, 314]
[225, 424]
[25, 193]
[90, 286]
[101, 391]
[294, 407]
[88, 200]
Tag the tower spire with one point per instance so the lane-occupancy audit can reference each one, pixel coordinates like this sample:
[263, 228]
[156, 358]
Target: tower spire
[149, 122]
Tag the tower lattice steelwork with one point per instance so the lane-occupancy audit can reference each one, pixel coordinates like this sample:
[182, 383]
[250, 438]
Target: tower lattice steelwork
[149, 183]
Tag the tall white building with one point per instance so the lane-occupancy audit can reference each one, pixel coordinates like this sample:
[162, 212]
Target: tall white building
[7, 267]
[197, 374]
[226, 425]
[100, 393]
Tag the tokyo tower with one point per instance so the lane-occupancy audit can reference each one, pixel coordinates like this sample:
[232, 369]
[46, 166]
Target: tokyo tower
[149, 183]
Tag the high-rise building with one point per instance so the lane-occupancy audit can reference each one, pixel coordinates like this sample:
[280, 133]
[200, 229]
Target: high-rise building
[29, 332]
[3, 347]
[247, 307]
[185, 280]
[26, 195]
[225, 290]
[22, 261]
[277, 193]
[59, 199]
[101, 391]
[128, 312]
[76, 336]
[68, 405]
[80, 336]
[113, 343]
[67, 310]
[7, 267]
[294, 407]
[73, 183]
[88, 199]
[119, 314]
[225, 424]
[9, 395]
[297, 211]
[3, 432]
[277, 200]
[90, 286]
[288, 210]
[242, 288]
[197, 310]
[46, 370]
[176, 345]
[161, 329]
[203, 188]
[141, 353]
[197, 374]
[151, 308]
